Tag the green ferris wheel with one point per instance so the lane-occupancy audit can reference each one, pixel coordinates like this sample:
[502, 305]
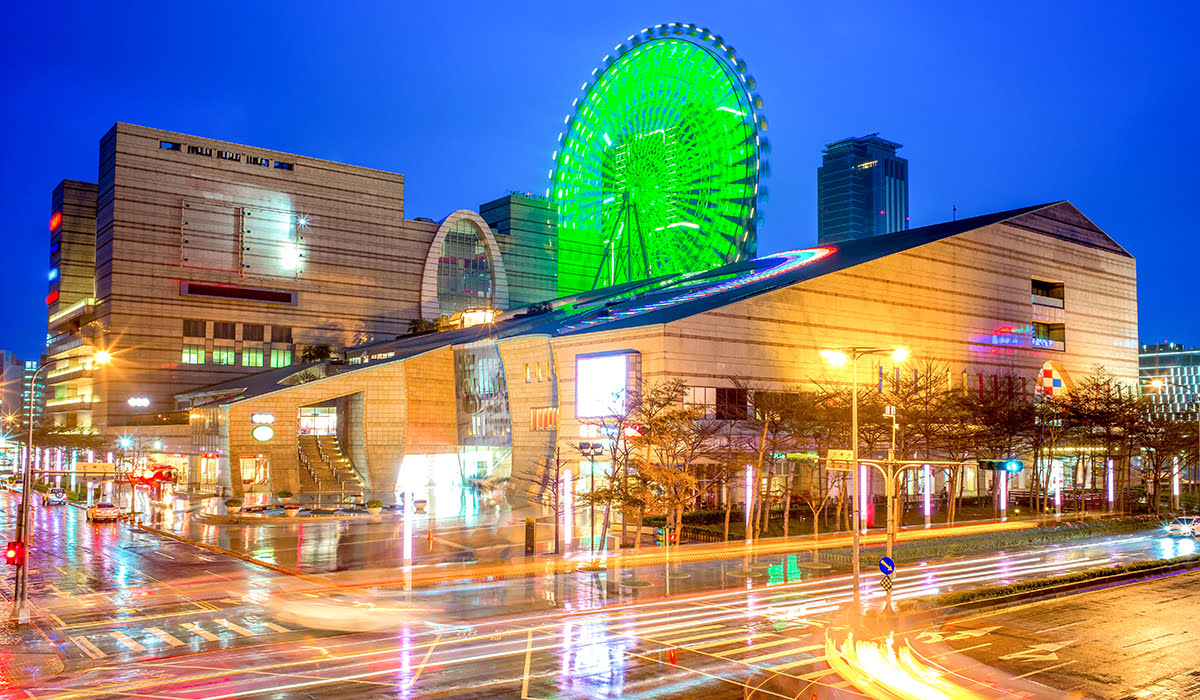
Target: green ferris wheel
[658, 169]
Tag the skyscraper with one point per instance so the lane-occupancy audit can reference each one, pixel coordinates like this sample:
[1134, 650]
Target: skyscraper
[862, 190]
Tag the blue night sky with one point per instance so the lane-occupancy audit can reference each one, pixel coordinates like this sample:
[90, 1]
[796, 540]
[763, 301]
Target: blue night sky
[998, 105]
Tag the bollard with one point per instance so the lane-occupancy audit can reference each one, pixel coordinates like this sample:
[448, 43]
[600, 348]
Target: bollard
[671, 656]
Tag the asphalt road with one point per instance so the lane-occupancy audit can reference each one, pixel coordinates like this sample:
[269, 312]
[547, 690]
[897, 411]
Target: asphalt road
[1134, 641]
[134, 613]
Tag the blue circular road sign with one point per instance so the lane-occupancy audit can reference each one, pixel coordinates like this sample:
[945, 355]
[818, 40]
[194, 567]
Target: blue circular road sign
[887, 566]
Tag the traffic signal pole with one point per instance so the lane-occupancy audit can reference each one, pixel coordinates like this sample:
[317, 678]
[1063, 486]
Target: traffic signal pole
[20, 610]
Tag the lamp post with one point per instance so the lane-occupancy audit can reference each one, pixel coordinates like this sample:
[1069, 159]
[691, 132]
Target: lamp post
[838, 358]
[1159, 384]
[20, 609]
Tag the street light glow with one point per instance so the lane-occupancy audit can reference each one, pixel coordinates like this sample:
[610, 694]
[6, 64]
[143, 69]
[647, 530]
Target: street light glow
[837, 358]
[900, 354]
[102, 357]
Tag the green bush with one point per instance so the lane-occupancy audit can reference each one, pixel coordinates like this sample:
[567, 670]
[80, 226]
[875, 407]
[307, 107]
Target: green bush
[374, 503]
[283, 494]
[233, 503]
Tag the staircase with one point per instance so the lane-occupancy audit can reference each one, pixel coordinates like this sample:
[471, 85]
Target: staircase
[323, 467]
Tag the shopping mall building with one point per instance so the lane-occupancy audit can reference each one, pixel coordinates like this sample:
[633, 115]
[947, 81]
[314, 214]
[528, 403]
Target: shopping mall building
[1038, 293]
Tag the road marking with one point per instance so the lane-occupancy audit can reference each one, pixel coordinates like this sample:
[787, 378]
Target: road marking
[1048, 668]
[958, 651]
[756, 647]
[413, 681]
[694, 629]
[1038, 652]
[168, 638]
[277, 628]
[130, 644]
[164, 554]
[768, 657]
[88, 648]
[740, 636]
[696, 637]
[230, 626]
[686, 627]
[794, 664]
[197, 629]
[1051, 629]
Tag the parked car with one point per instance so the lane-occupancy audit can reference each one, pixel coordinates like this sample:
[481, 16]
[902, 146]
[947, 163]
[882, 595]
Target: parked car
[55, 497]
[101, 512]
[1184, 527]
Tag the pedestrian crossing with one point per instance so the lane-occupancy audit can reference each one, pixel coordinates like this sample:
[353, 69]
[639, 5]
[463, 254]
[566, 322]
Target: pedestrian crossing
[99, 645]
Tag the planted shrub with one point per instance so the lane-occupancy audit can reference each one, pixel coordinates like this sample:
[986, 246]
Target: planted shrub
[283, 494]
[233, 503]
[374, 503]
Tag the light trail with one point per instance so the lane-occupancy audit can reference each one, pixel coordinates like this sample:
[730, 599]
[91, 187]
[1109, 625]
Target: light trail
[879, 671]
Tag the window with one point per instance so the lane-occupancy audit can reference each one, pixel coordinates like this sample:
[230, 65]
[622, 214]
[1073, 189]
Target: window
[252, 331]
[731, 404]
[284, 166]
[464, 272]
[193, 329]
[222, 355]
[224, 331]
[281, 334]
[193, 354]
[281, 358]
[199, 150]
[528, 373]
[543, 419]
[252, 357]
[1048, 293]
[1049, 336]
[169, 146]
[230, 291]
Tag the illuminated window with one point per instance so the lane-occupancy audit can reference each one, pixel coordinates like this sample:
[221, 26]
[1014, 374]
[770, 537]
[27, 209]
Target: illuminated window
[528, 373]
[281, 358]
[464, 273]
[543, 419]
[252, 357]
[193, 354]
[222, 356]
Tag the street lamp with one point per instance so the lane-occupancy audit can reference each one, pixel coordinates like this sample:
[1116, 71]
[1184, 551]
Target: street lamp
[20, 608]
[837, 358]
[1159, 384]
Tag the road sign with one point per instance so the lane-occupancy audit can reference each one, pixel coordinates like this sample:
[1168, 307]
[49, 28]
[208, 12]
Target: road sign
[887, 566]
[839, 460]
[886, 582]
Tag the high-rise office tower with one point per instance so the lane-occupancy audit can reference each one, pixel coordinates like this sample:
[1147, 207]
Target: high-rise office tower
[862, 190]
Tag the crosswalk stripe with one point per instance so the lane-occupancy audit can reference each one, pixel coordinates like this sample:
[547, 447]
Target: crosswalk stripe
[701, 628]
[662, 628]
[229, 625]
[166, 637]
[816, 674]
[197, 629]
[88, 648]
[127, 642]
[740, 637]
[756, 647]
[697, 637]
[794, 664]
[277, 628]
[768, 657]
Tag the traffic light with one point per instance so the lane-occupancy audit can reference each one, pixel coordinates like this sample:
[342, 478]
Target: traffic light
[14, 553]
[1012, 466]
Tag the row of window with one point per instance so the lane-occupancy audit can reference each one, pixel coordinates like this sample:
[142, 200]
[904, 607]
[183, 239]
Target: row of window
[537, 371]
[194, 354]
[224, 330]
[224, 155]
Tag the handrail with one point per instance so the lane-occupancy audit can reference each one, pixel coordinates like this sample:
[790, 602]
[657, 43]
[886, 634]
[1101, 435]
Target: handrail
[304, 461]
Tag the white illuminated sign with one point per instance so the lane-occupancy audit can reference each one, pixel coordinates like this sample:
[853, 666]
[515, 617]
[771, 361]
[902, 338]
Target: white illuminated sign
[262, 433]
[600, 385]
[138, 401]
[262, 418]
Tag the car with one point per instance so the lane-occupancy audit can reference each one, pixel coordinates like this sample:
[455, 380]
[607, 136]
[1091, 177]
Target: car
[1183, 527]
[55, 497]
[103, 512]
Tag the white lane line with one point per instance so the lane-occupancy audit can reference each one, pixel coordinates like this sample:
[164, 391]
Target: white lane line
[277, 628]
[680, 626]
[166, 637]
[696, 637]
[1048, 668]
[130, 644]
[197, 629]
[959, 651]
[88, 648]
[236, 628]
[1051, 629]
